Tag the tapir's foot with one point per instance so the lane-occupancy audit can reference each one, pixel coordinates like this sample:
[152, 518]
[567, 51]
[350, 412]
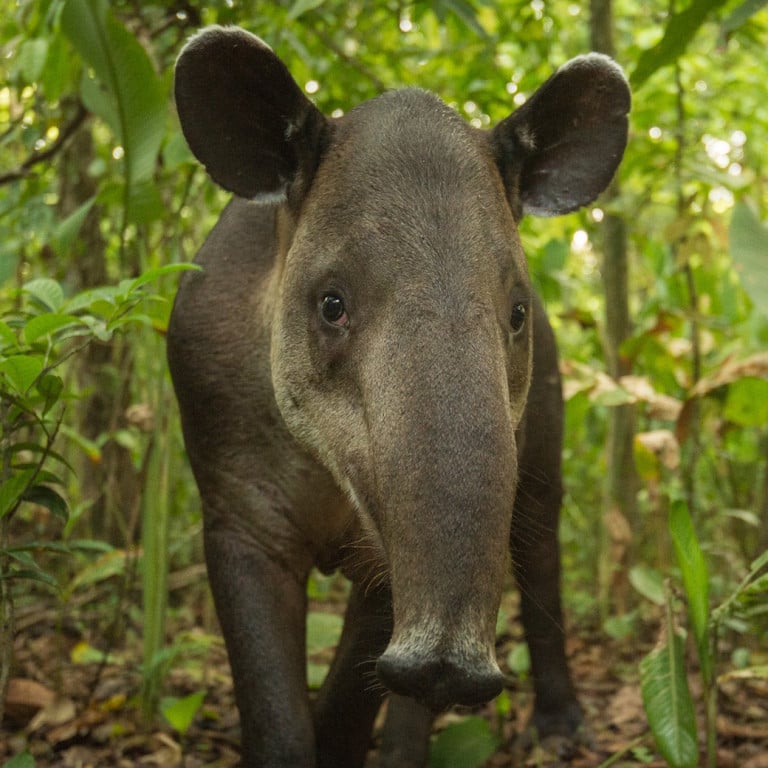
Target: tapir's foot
[559, 733]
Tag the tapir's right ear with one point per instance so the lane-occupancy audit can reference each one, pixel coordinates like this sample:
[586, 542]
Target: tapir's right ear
[244, 116]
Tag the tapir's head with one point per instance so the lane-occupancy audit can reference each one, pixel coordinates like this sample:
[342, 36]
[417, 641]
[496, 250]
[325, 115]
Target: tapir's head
[401, 323]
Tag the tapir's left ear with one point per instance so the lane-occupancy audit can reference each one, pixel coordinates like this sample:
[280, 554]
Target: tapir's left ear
[561, 148]
[244, 116]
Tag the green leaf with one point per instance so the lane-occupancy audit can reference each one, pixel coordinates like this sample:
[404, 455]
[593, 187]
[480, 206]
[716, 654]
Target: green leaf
[21, 371]
[181, 712]
[8, 340]
[48, 498]
[747, 401]
[105, 567]
[467, 744]
[33, 575]
[739, 16]
[22, 760]
[323, 630]
[681, 29]
[13, 488]
[43, 325]
[695, 579]
[668, 703]
[66, 231]
[153, 274]
[31, 58]
[648, 582]
[50, 387]
[316, 674]
[125, 70]
[300, 7]
[748, 240]
[519, 660]
[47, 292]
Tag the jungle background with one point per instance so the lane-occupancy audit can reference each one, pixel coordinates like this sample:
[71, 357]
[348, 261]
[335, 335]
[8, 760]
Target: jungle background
[109, 647]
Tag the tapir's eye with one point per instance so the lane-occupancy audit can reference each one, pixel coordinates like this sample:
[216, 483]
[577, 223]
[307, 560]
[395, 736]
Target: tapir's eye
[517, 320]
[333, 310]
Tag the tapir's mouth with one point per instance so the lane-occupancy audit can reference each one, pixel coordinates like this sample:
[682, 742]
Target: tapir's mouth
[439, 683]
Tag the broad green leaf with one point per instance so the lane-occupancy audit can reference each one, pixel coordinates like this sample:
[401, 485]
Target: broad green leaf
[648, 582]
[748, 240]
[8, 340]
[747, 401]
[22, 760]
[739, 16]
[31, 58]
[181, 712]
[21, 371]
[42, 325]
[323, 630]
[695, 579]
[123, 67]
[668, 703]
[300, 7]
[48, 498]
[681, 29]
[50, 387]
[47, 292]
[66, 231]
[12, 489]
[467, 744]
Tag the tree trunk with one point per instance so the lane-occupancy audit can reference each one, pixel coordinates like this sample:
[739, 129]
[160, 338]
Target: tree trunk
[619, 499]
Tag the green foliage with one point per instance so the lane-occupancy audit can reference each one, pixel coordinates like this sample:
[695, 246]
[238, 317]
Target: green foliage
[668, 703]
[466, 744]
[181, 712]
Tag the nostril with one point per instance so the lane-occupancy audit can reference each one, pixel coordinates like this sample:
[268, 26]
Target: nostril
[440, 683]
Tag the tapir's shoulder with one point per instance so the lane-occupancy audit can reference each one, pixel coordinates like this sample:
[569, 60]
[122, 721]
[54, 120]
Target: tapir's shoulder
[244, 236]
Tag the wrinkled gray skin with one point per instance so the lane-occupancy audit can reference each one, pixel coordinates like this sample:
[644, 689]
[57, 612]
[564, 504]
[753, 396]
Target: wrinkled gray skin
[402, 440]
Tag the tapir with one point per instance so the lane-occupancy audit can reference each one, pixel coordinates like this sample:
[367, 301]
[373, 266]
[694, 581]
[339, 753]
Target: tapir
[368, 383]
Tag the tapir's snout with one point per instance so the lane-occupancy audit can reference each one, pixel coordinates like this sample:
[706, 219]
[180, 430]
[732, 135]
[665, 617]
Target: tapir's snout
[440, 680]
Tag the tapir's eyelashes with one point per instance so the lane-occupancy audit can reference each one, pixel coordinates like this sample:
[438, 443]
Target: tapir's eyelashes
[333, 310]
[517, 319]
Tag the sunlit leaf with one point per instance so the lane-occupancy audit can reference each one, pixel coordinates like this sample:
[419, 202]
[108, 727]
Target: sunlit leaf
[124, 69]
[681, 29]
[180, 713]
[42, 325]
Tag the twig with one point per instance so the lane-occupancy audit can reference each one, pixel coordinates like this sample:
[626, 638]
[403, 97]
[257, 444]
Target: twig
[24, 170]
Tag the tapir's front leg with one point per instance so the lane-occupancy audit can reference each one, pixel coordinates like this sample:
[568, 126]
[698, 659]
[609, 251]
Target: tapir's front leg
[261, 605]
[351, 695]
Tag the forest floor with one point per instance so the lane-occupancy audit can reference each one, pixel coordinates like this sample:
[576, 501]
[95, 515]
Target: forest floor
[70, 709]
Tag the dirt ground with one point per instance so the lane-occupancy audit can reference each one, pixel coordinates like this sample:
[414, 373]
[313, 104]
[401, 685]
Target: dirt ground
[74, 711]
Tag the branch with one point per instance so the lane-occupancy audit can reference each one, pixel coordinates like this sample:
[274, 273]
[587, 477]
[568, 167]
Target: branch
[25, 169]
